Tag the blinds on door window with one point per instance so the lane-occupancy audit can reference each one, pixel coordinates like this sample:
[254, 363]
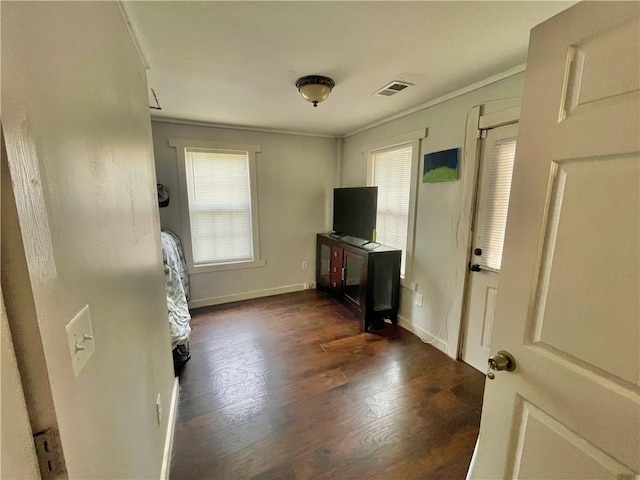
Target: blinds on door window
[392, 176]
[219, 195]
[497, 203]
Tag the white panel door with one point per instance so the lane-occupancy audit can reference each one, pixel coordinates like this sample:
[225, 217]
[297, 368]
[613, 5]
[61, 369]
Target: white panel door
[496, 160]
[568, 305]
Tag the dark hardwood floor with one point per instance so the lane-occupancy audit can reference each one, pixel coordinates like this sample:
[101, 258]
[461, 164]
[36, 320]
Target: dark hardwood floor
[288, 387]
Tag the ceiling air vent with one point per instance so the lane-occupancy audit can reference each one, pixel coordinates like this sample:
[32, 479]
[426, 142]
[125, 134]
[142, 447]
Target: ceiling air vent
[392, 88]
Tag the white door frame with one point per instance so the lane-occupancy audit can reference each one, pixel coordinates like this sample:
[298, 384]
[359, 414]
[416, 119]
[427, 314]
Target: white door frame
[18, 451]
[482, 286]
[17, 448]
[477, 121]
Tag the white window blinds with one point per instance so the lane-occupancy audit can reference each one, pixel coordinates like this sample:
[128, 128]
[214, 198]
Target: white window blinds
[219, 195]
[392, 175]
[497, 203]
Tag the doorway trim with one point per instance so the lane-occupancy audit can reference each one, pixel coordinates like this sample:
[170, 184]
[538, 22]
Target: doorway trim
[480, 118]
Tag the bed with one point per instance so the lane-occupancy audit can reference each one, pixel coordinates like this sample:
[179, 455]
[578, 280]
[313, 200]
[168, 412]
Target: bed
[177, 283]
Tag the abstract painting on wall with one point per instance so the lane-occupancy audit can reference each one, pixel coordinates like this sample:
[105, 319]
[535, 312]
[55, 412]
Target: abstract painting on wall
[441, 166]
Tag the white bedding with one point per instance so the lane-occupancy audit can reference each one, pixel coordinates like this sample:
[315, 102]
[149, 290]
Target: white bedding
[177, 281]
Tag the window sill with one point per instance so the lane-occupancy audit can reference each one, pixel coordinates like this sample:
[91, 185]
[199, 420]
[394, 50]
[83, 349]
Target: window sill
[222, 267]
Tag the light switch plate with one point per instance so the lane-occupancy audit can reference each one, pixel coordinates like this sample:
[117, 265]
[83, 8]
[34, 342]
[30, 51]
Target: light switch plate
[80, 339]
[418, 300]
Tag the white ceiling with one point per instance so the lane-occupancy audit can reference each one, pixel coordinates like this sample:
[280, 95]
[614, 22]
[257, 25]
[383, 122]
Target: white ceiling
[235, 63]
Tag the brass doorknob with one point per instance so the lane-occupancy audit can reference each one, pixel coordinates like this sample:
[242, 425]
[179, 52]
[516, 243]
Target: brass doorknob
[502, 360]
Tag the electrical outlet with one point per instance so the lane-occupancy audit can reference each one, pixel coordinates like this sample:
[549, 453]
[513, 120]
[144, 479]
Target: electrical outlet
[49, 452]
[80, 339]
[159, 409]
[418, 300]
[305, 265]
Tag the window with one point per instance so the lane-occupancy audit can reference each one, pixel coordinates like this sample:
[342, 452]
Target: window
[219, 205]
[496, 203]
[391, 173]
[220, 224]
[392, 166]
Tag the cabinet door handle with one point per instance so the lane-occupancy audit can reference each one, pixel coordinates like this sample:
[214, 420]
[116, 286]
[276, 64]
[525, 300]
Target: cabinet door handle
[334, 284]
[342, 275]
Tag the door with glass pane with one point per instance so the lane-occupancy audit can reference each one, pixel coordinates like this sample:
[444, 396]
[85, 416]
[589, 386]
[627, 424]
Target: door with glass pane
[492, 201]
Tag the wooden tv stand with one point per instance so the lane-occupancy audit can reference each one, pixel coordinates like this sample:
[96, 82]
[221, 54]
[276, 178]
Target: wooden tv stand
[366, 278]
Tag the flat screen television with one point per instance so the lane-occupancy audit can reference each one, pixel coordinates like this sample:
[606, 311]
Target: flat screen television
[354, 212]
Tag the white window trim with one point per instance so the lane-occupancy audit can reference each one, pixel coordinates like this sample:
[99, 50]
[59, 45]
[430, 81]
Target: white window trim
[415, 137]
[180, 145]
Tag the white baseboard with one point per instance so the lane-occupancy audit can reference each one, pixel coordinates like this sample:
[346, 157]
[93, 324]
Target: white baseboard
[422, 334]
[171, 427]
[237, 297]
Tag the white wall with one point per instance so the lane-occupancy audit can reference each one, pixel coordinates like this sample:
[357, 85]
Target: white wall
[295, 176]
[436, 268]
[78, 137]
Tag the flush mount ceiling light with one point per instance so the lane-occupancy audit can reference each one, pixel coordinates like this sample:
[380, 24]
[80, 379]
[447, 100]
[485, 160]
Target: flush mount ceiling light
[315, 88]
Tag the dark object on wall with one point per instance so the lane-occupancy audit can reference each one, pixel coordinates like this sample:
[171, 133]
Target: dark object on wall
[163, 195]
[441, 166]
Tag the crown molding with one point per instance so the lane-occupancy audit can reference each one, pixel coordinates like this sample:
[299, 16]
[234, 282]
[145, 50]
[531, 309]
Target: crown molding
[135, 34]
[198, 123]
[456, 93]
[451, 95]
